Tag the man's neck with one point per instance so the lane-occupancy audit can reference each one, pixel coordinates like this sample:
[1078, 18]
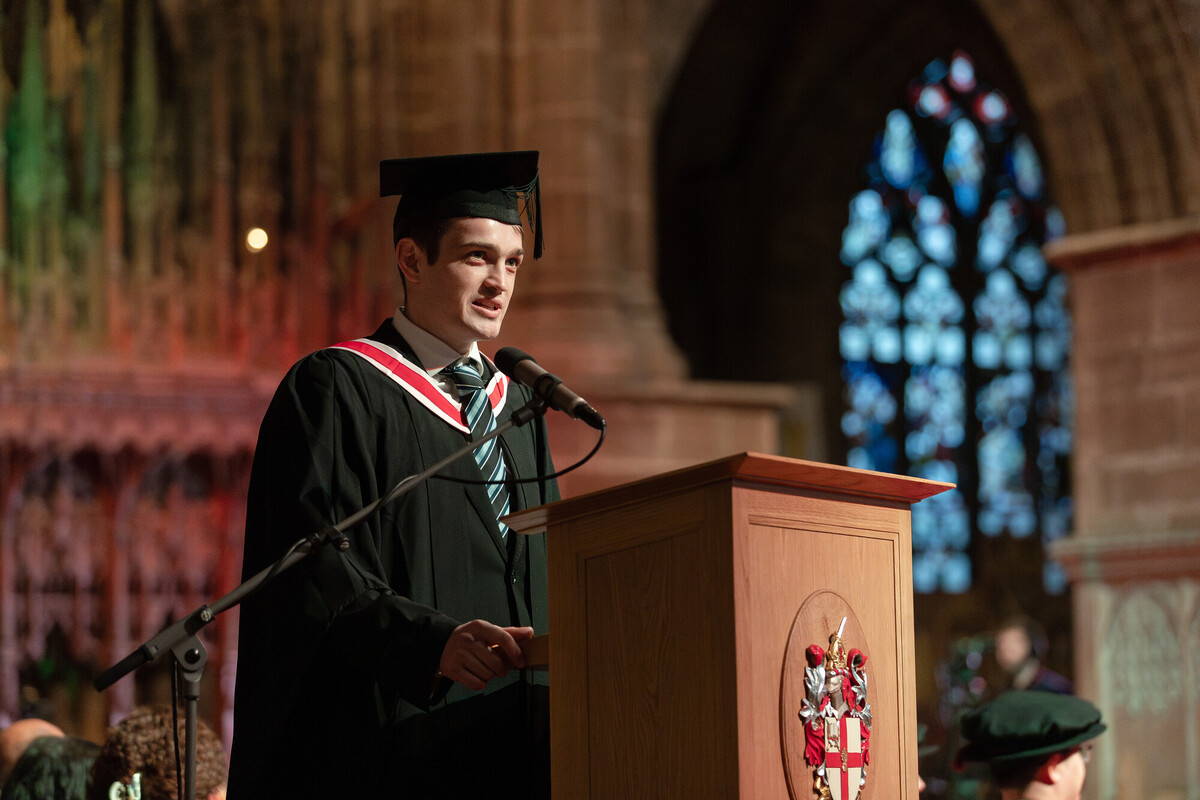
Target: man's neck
[432, 352]
[1034, 791]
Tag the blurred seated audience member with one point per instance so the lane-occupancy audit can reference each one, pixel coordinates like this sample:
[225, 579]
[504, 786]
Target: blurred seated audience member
[51, 768]
[1037, 744]
[17, 736]
[137, 762]
[1020, 647]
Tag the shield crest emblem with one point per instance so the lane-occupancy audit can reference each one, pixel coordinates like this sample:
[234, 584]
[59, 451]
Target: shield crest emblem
[836, 719]
[843, 757]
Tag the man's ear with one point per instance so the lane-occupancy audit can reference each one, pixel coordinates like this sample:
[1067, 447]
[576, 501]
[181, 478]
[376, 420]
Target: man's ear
[410, 259]
[1050, 772]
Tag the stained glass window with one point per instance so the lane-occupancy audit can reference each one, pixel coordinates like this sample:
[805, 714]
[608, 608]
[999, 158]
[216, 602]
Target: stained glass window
[956, 336]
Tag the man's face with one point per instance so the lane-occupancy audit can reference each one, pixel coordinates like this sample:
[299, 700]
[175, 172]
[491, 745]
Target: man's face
[463, 297]
[1012, 648]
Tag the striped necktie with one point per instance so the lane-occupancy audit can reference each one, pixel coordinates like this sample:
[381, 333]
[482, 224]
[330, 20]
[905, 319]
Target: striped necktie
[477, 414]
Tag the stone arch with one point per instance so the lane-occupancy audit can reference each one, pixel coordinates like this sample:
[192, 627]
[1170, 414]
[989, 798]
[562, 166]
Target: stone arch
[1117, 90]
[761, 143]
[1109, 93]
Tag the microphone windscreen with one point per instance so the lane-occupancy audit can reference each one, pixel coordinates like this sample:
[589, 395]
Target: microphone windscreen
[507, 359]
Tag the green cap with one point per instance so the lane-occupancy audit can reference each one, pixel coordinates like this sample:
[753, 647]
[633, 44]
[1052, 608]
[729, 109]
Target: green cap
[1025, 724]
[499, 186]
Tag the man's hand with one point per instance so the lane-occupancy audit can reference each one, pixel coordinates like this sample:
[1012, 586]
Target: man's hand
[478, 651]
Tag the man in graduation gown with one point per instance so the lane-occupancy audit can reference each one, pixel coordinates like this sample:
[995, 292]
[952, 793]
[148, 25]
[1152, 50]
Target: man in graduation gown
[393, 669]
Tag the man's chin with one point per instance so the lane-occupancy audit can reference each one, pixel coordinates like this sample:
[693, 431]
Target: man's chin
[486, 330]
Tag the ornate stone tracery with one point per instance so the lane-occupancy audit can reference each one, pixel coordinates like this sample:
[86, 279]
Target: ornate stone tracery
[1142, 655]
[99, 551]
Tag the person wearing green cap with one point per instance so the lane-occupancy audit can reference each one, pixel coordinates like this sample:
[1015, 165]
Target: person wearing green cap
[1036, 743]
[393, 668]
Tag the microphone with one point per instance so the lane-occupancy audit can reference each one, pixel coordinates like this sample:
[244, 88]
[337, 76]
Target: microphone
[521, 367]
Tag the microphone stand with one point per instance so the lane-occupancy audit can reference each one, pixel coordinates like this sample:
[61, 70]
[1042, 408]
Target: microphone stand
[181, 637]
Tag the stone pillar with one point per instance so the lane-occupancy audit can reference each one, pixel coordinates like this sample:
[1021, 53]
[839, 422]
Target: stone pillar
[591, 303]
[1134, 559]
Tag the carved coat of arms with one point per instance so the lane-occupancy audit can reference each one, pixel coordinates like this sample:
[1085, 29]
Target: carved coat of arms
[837, 719]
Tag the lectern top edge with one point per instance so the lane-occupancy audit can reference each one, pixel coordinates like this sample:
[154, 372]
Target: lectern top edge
[745, 470]
[862, 482]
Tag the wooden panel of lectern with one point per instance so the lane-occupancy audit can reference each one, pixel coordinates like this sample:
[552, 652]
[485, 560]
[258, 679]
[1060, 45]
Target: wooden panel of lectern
[681, 609]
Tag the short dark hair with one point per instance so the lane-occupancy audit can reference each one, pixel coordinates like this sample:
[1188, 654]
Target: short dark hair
[51, 768]
[427, 233]
[1019, 773]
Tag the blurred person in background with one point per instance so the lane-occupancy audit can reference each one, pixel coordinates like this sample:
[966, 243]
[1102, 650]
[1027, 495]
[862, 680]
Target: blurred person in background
[17, 736]
[137, 761]
[1036, 744]
[1020, 647]
[51, 767]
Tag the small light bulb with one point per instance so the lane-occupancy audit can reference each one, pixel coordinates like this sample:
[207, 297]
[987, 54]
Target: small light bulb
[256, 239]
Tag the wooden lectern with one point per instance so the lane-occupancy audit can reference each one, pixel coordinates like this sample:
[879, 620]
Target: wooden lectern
[681, 607]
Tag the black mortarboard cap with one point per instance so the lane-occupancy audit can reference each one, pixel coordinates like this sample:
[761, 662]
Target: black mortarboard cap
[499, 186]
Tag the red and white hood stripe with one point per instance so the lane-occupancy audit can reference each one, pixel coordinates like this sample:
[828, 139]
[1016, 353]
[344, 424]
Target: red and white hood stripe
[410, 377]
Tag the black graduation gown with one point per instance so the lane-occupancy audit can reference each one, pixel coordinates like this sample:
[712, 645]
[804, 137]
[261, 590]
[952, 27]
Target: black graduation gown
[335, 692]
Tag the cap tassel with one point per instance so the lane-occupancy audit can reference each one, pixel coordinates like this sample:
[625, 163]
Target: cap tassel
[537, 224]
[534, 219]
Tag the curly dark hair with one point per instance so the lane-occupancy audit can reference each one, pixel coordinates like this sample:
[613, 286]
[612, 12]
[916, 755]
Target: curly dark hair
[143, 743]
